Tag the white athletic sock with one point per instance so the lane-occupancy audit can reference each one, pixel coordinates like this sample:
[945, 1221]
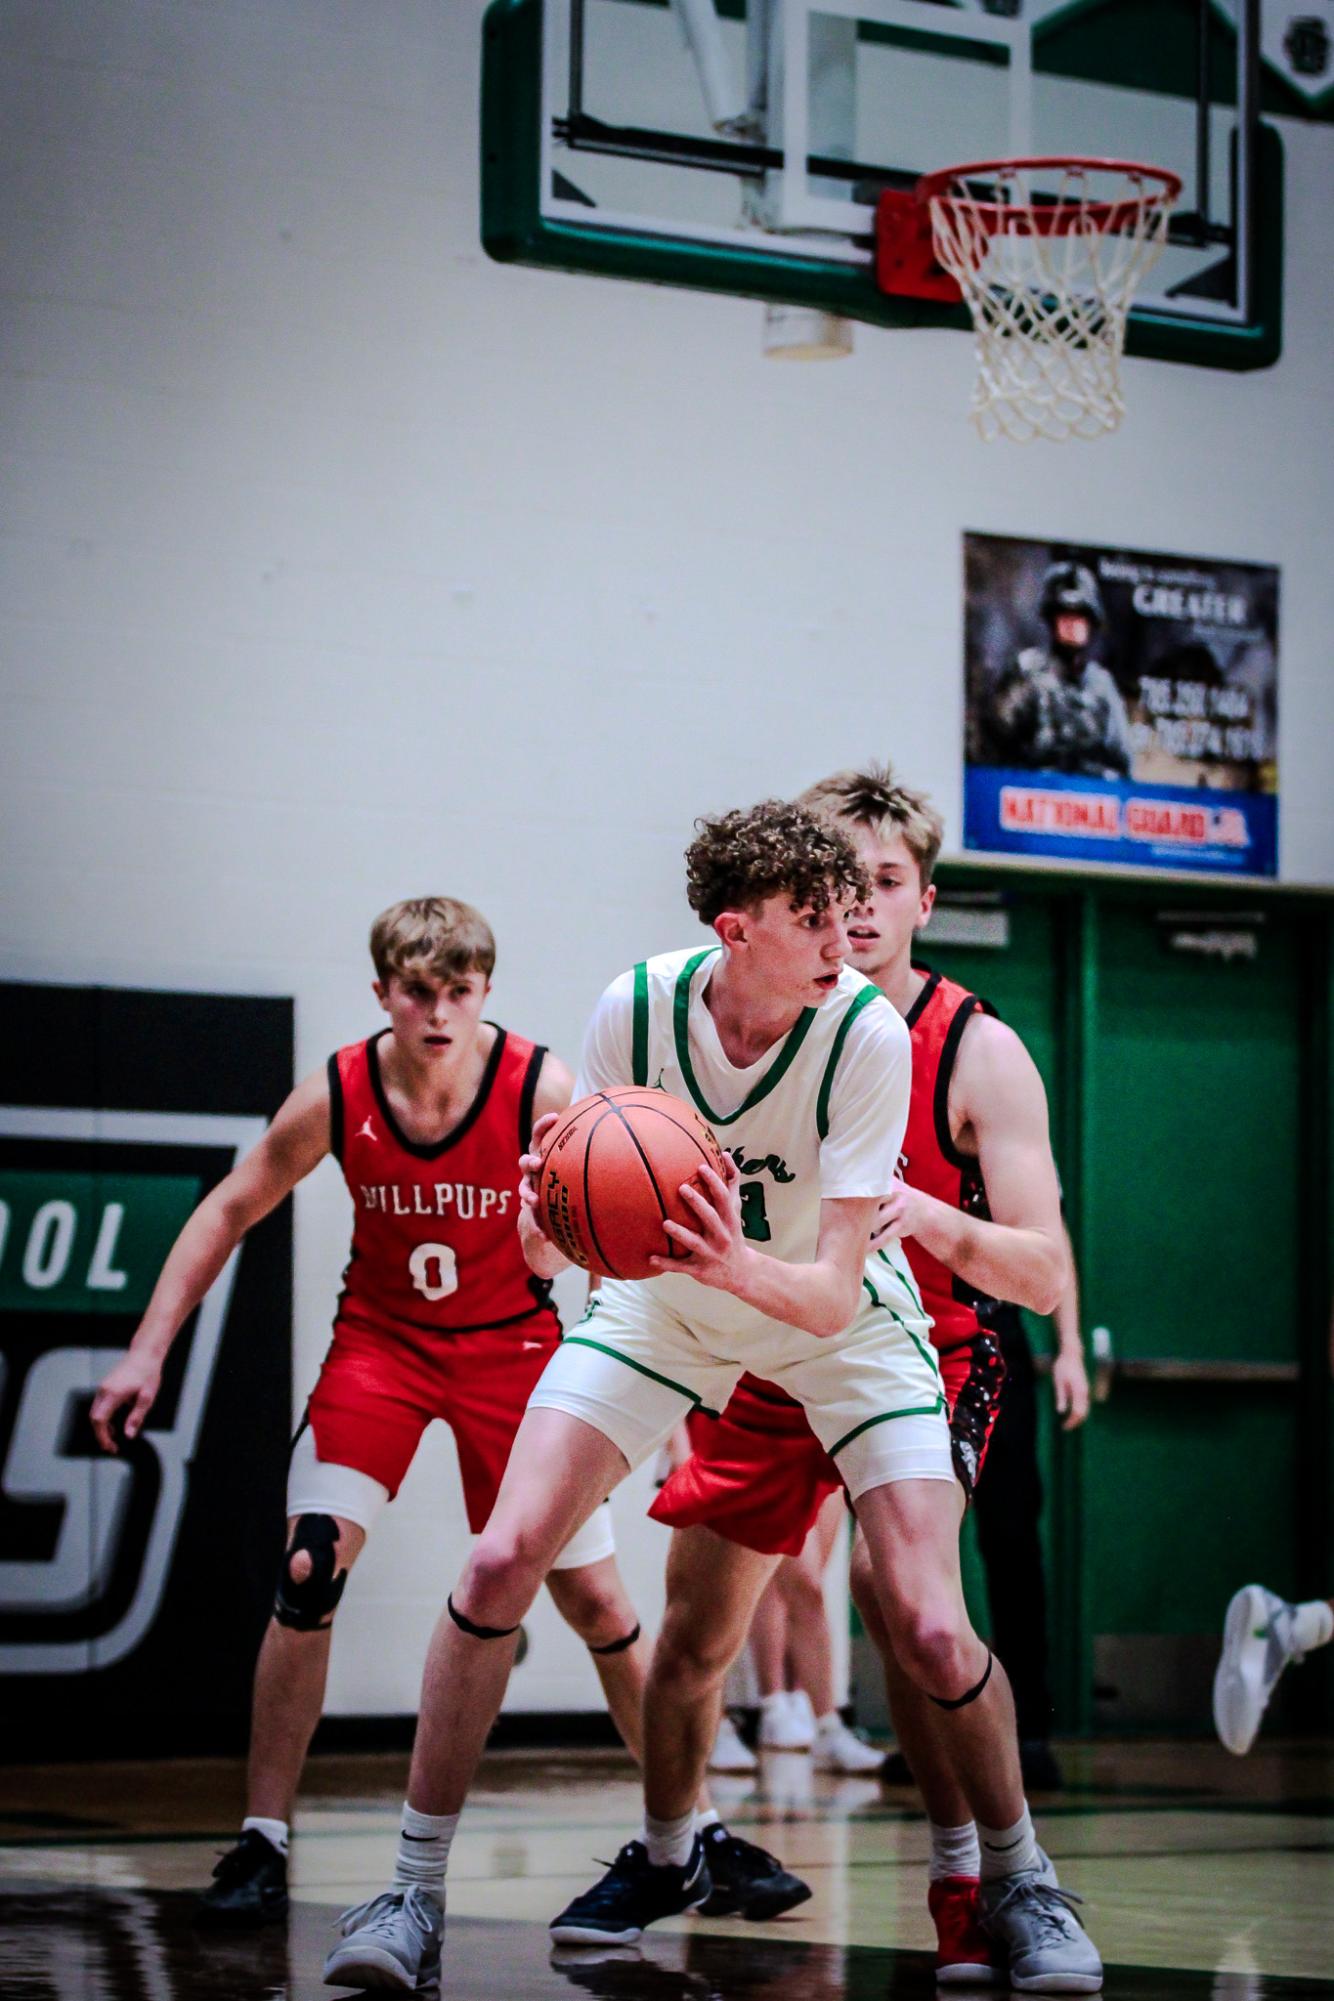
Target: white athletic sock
[1312, 1625]
[423, 1849]
[669, 1842]
[954, 1852]
[704, 1821]
[274, 1831]
[1007, 1850]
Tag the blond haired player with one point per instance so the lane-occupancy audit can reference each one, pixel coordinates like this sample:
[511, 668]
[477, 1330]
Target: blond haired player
[439, 1316]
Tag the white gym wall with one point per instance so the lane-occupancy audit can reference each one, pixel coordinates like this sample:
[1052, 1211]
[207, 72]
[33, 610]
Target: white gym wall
[340, 564]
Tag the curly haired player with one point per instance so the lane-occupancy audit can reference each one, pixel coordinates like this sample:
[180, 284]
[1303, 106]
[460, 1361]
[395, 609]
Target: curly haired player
[803, 1069]
[978, 1210]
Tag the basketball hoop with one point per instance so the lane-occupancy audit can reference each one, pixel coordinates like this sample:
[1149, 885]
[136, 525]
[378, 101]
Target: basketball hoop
[1047, 254]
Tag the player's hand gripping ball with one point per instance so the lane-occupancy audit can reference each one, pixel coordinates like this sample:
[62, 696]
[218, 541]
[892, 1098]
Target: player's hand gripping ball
[611, 1175]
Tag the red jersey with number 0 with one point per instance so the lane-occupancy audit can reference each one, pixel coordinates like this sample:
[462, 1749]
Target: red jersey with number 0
[435, 1244]
[930, 1160]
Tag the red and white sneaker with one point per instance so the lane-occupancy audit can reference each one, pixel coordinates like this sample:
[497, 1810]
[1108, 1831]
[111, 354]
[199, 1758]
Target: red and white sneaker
[963, 1950]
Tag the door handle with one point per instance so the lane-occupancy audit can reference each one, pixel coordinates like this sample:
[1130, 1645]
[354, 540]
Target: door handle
[1104, 1363]
[1182, 1369]
[1176, 1368]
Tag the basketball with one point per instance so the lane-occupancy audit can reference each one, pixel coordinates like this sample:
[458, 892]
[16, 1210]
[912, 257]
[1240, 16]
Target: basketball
[611, 1175]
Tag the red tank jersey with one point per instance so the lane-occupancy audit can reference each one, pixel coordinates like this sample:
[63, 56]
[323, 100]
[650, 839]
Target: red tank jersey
[435, 1243]
[933, 1163]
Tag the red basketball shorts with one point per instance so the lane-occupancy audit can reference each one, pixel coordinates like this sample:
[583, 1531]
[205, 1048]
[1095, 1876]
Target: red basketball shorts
[377, 1393]
[759, 1476]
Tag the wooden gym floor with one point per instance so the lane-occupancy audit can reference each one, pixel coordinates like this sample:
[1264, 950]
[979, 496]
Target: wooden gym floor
[1204, 1876]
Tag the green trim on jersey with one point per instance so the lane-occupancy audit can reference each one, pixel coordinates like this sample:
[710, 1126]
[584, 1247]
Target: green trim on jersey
[886, 1417]
[639, 1043]
[582, 1341]
[864, 999]
[681, 1023]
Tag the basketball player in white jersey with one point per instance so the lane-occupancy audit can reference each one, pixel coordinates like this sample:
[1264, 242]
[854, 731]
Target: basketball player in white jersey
[745, 1487]
[804, 1068]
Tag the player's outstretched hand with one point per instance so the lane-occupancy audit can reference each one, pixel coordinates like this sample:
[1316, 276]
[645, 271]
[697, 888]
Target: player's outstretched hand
[714, 1251]
[129, 1387]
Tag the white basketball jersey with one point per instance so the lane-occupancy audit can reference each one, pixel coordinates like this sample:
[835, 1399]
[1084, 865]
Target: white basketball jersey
[819, 1117]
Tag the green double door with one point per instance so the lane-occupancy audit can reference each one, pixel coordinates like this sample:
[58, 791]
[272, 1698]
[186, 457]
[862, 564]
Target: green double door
[1183, 1037]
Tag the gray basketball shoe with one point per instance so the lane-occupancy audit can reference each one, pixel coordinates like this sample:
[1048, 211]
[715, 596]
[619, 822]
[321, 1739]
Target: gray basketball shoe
[391, 1943]
[1031, 1918]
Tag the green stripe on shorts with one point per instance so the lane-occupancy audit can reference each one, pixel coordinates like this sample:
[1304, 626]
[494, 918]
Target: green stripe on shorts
[582, 1341]
[906, 1278]
[885, 1417]
[924, 1348]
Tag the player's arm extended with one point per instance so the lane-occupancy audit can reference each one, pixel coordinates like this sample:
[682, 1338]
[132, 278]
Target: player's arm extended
[821, 1298]
[295, 1143]
[1021, 1254]
[555, 1087]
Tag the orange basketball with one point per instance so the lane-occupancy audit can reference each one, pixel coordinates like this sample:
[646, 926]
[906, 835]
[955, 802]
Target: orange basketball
[611, 1176]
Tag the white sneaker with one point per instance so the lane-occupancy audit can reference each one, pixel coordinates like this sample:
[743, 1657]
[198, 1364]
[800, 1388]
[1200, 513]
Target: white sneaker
[839, 1749]
[390, 1943]
[1032, 1920]
[730, 1753]
[783, 1725]
[1257, 1646]
[804, 1709]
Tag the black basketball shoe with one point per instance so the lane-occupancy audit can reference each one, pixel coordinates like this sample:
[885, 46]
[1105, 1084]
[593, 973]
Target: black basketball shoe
[747, 1881]
[631, 1895]
[249, 1885]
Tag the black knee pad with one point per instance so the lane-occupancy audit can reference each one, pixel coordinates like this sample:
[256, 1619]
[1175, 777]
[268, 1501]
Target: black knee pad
[309, 1607]
[620, 1646]
[970, 1694]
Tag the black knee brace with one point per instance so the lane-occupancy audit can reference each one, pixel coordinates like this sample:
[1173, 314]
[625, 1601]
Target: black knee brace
[465, 1625]
[616, 1646]
[309, 1607]
[969, 1695]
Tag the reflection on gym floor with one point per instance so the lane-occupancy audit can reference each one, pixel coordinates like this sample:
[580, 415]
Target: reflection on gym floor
[1203, 1877]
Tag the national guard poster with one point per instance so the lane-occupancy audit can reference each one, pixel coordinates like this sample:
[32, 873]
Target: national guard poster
[1120, 706]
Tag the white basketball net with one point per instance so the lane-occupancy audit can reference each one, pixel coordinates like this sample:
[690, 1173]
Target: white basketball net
[1049, 272]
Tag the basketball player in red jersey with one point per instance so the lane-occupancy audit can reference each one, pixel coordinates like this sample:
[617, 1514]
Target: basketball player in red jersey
[978, 1208]
[439, 1316]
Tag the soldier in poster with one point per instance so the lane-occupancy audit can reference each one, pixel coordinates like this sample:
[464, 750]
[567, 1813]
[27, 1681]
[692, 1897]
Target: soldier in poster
[1056, 708]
